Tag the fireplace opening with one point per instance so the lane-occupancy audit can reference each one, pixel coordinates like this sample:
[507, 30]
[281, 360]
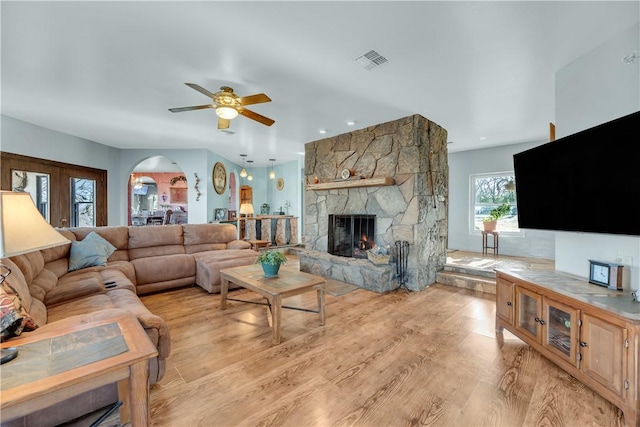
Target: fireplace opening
[351, 235]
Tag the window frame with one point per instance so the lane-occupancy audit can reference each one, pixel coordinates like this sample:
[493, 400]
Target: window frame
[472, 203]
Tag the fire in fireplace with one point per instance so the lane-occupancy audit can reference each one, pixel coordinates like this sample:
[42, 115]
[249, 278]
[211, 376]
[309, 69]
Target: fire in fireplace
[351, 235]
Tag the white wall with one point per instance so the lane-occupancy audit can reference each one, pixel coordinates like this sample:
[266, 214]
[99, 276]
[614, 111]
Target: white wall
[531, 243]
[596, 88]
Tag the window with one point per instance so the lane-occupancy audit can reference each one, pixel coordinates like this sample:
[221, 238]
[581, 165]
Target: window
[42, 195]
[83, 202]
[489, 191]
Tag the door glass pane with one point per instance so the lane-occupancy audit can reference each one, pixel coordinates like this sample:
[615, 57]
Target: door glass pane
[527, 313]
[83, 202]
[559, 330]
[37, 185]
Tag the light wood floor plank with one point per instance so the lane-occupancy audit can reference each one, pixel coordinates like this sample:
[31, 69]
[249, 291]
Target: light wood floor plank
[426, 358]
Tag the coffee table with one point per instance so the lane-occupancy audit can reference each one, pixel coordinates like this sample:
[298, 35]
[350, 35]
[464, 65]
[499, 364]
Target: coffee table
[289, 282]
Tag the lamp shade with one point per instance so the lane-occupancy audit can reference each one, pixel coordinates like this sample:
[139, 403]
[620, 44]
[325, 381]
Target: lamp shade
[22, 227]
[246, 209]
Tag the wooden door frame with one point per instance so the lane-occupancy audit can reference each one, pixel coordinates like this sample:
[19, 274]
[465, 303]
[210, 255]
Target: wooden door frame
[59, 173]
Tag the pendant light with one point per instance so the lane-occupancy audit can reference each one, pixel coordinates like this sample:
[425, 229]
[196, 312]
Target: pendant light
[250, 177]
[243, 172]
[272, 173]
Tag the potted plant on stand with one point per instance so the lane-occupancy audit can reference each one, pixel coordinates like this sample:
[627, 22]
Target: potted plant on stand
[495, 214]
[271, 261]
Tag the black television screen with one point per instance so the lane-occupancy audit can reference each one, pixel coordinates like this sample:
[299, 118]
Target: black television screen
[588, 181]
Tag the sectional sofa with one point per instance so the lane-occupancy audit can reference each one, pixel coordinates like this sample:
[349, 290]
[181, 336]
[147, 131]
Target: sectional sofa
[102, 272]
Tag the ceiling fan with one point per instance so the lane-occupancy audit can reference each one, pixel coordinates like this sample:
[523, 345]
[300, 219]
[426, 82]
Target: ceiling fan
[228, 105]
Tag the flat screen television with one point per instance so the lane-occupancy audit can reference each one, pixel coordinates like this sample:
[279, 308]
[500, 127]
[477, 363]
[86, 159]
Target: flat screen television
[141, 190]
[586, 182]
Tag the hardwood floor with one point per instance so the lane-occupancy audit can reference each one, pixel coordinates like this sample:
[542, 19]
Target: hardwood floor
[398, 359]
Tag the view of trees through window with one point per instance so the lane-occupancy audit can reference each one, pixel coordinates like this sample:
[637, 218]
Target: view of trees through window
[491, 191]
[83, 202]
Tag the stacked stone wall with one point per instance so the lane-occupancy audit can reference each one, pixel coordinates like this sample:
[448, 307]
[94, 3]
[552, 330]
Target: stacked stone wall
[413, 151]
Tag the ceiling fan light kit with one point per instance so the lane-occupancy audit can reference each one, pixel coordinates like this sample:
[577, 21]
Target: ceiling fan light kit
[226, 113]
[228, 105]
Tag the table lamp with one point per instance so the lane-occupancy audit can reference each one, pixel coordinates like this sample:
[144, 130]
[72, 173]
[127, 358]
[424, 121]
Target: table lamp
[246, 209]
[22, 230]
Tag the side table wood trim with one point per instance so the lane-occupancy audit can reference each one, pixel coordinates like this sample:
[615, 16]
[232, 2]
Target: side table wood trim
[130, 370]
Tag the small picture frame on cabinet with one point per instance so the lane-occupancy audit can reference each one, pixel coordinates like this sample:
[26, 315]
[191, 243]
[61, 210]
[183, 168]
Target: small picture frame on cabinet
[220, 214]
[231, 215]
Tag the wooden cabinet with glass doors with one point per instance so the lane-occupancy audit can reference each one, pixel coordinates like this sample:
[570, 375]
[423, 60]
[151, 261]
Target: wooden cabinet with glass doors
[589, 332]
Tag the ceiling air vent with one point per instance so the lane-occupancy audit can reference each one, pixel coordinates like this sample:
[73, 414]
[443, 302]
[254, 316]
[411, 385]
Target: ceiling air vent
[370, 60]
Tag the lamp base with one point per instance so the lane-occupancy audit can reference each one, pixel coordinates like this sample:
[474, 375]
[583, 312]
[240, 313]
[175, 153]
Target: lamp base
[8, 354]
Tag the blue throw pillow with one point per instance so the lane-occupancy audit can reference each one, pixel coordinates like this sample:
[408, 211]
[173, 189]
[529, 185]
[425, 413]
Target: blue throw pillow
[91, 251]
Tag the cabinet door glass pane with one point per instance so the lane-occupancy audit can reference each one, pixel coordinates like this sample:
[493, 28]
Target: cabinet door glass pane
[527, 313]
[559, 330]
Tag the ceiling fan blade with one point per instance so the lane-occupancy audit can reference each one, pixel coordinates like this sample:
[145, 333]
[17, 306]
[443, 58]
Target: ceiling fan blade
[223, 123]
[255, 116]
[254, 99]
[196, 107]
[200, 89]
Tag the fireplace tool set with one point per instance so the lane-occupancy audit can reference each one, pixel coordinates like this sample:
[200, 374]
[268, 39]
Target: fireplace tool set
[402, 261]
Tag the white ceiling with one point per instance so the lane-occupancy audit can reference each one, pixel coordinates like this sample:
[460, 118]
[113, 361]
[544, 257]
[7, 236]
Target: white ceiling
[109, 71]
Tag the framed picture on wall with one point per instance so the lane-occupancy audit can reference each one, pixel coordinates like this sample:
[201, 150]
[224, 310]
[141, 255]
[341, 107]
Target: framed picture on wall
[220, 214]
[231, 215]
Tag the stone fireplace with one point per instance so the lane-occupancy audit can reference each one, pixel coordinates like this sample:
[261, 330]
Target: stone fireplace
[398, 172]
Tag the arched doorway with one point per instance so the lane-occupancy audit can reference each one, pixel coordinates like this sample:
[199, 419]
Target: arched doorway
[157, 186]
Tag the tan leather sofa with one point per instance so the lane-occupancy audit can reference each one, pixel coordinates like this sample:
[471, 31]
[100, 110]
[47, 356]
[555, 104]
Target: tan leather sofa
[147, 259]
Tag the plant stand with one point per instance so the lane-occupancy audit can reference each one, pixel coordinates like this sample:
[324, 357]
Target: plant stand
[485, 243]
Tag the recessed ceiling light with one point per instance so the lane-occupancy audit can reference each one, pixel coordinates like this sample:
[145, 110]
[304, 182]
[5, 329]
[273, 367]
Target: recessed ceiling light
[351, 122]
[322, 131]
[300, 153]
[482, 138]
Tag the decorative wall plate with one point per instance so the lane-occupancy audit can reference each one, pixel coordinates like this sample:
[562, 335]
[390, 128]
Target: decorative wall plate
[219, 178]
[280, 184]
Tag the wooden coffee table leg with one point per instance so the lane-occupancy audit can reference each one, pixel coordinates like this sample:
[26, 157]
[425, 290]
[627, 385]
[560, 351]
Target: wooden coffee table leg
[276, 314]
[321, 304]
[224, 287]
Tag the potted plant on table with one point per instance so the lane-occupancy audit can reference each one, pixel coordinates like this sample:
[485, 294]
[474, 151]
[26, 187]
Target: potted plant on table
[495, 214]
[271, 261]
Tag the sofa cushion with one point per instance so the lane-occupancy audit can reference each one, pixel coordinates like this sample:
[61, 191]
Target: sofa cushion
[118, 236]
[164, 268]
[145, 237]
[207, 237]
[91, 251]
[75, 286]
[209, 264]
[59, 252]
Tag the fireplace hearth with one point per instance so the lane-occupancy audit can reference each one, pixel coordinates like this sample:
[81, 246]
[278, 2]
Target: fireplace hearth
[351, 235]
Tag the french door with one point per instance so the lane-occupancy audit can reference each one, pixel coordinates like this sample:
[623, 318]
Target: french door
[66, 195]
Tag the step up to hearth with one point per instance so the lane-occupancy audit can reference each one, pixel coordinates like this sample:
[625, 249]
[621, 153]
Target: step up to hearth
[489, 273]
[474, 281]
